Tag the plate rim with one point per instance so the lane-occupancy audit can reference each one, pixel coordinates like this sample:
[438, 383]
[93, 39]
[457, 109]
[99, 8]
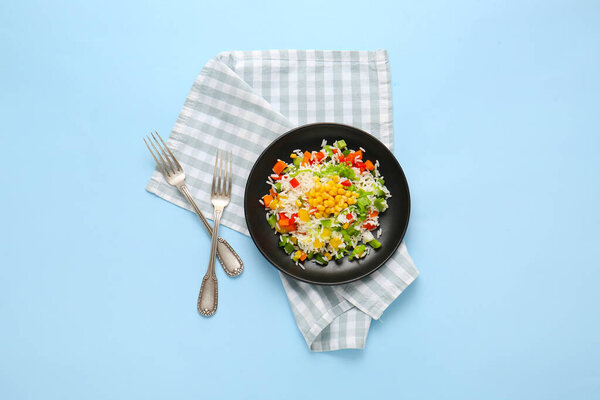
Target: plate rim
[268, 258]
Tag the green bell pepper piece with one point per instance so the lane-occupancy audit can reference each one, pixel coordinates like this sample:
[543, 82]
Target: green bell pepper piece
[375, 243]
[380, 204]
[272, 220]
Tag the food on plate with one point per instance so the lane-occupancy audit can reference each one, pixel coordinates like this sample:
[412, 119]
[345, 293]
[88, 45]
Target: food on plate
[325, 204]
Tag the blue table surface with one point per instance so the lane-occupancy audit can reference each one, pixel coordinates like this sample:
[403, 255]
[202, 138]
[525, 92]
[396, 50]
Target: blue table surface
[496, 109]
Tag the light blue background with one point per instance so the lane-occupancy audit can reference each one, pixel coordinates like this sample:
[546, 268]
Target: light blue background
[496, 108]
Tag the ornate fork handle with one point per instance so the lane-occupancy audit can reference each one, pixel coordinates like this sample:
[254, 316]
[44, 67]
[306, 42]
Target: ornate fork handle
[229, 259]
[208, 298]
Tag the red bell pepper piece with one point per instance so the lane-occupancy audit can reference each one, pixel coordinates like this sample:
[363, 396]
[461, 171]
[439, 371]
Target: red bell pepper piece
[294, 182]
[369, 226]
[346, 183]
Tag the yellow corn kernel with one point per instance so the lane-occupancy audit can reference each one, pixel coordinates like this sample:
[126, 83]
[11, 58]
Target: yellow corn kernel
[273, 204]
[341, 191]
[318, 243]
[294, 240]
[318, 215]
[318, 185]
[281, 196]
[344, 205]
[311, 192]
[298, 203]
[330, 183]
[337, 209]
[327, 256]
[312, 202]
[346, 225]
[338, 197]
[335, 242]
[326, 233]
[297, 254]
[320, 207]
[335, 178]
[351, 201]
[293, 155]
[355, 194]
[329, 211]
[328, 203]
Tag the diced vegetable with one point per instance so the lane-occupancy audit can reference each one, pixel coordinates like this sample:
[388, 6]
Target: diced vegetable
[362, 202]
[267, 199]
[340, 144]
[319, 258]
[375, 243]
[284, 222]
[273, 204]
[294, 182]
[320, 155]
[369, 165]
[358, 251]
[346, 183]
[373, 214]
[306, 158]
[297, 162]
[272, 220]
[279, 167]
[326, 223]
[370, 226]
[380, 204]
[278, 186]
[335, 242]
[303, 214]
[288, 248]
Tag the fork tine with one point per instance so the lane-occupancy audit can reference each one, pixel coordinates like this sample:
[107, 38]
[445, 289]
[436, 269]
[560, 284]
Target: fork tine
[213, 187]
[230, 173]
[221, 174]
[170, 152]
[164, 153]
[165, 166]
[158, 163]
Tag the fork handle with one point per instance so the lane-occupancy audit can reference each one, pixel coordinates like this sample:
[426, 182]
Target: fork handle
[208, 298]
[229, 259]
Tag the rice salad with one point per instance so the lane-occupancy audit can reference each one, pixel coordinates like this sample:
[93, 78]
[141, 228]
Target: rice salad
[325, 204]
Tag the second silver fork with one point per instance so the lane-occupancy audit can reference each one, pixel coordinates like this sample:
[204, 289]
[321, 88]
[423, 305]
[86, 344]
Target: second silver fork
[220, 194]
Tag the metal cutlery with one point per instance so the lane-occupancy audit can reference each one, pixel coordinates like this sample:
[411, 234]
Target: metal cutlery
[220, 195]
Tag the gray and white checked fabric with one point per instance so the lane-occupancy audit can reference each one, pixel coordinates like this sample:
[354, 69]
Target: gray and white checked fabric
[242, 101]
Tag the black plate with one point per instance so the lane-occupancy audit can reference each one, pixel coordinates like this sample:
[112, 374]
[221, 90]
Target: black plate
[393, 221]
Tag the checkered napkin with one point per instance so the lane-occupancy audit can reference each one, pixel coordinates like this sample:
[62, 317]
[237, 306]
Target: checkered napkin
[242, 101]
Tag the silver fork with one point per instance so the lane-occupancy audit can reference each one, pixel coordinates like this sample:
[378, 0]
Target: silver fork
[220, 194]
[175, 176]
